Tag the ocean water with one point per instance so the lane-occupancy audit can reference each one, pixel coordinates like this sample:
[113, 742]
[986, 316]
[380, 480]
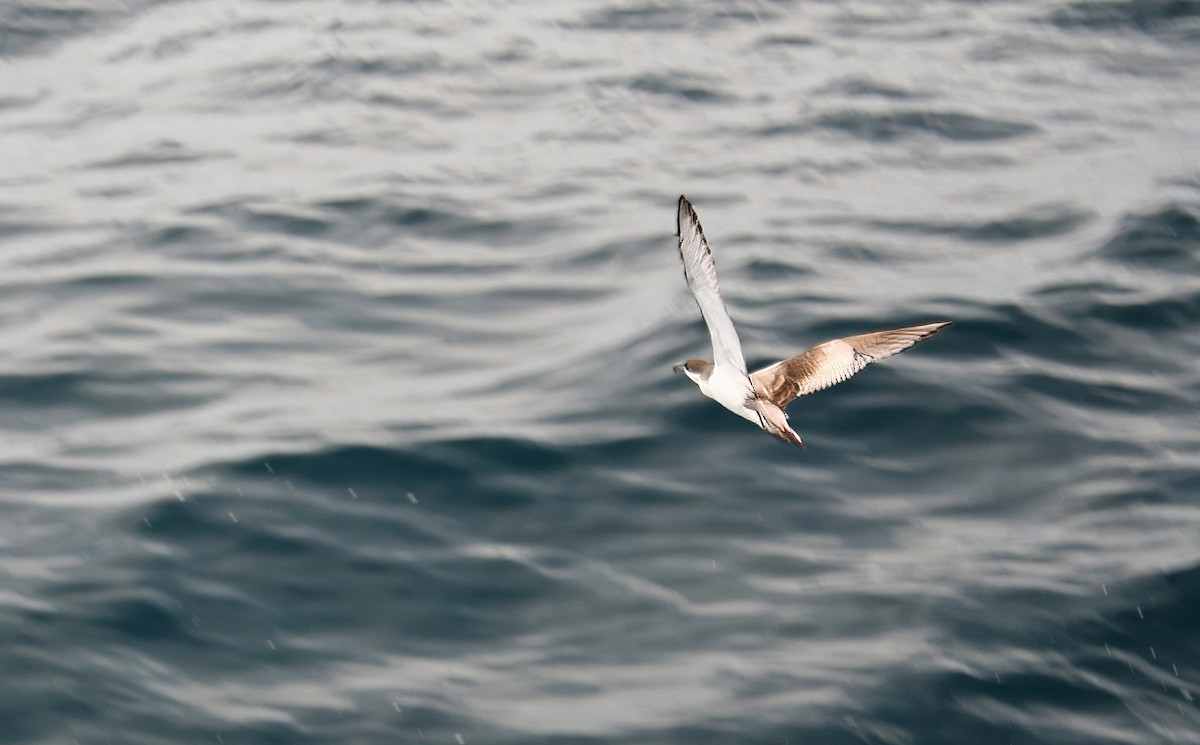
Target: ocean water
[336, 401]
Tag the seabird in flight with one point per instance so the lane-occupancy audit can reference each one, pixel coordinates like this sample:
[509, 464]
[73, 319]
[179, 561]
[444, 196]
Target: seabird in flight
[763, 395]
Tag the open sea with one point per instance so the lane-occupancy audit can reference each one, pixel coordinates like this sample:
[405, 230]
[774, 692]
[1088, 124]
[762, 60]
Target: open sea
[336, 402]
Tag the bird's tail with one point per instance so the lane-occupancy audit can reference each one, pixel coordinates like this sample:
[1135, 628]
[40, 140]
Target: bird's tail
[774, 421]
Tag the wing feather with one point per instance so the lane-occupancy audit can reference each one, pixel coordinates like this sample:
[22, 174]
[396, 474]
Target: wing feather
[833, 361]
[701, 274]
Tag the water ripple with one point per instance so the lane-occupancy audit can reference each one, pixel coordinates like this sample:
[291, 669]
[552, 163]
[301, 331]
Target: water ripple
[337, 402]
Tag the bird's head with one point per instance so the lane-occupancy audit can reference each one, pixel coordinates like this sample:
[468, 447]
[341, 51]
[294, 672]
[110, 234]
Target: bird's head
[697, 370]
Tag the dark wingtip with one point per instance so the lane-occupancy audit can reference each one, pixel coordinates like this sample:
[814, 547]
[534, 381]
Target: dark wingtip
[939, 327]
[682, 204]
[686, 208]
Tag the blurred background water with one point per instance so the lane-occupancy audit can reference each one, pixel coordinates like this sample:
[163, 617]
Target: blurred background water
[336, 401]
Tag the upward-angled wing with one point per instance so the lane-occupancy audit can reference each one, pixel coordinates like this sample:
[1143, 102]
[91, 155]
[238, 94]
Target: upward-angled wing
[834, 361]
[701, 276]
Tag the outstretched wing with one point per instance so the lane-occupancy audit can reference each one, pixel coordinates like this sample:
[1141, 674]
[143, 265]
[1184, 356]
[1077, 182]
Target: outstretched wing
[834, 361]
[701, 276]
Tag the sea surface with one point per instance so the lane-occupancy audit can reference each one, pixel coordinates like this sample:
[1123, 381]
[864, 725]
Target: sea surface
[336, 402]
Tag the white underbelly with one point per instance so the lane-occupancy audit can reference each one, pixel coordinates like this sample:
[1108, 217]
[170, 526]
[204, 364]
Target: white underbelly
[730, 389]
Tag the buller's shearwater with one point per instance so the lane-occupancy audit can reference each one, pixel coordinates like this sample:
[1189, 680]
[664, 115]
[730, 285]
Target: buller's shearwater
[763, 395]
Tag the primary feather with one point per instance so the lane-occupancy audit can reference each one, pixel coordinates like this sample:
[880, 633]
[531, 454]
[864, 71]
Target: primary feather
[701, 274]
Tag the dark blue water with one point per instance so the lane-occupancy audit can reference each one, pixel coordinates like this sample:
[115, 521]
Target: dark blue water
[336, 401]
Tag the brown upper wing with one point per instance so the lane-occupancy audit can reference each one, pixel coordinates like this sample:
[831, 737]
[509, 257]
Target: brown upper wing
[833, 361]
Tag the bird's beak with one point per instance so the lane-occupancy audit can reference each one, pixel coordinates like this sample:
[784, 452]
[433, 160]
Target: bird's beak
[678, 368]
